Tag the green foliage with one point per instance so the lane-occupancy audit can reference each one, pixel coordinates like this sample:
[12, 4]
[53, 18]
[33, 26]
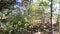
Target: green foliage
[14, 22]
[44, 4]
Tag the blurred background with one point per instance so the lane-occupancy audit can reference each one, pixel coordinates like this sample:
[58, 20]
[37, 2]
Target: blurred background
[29, 16]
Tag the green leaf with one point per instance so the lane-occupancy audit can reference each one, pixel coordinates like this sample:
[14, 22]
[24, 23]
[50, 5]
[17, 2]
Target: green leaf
[44, 4]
